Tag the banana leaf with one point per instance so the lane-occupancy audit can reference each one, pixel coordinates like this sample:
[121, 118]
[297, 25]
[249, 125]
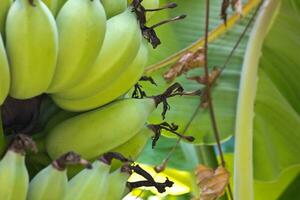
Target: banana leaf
[177, 36]
[268, 121]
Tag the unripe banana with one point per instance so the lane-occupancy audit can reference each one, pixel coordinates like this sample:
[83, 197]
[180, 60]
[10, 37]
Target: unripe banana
[134, 146]
[121, 45]
[150, 4]
[89, 184]
[81, 27]
[51, 183]
[52, 5]
[96, 132]
[60, 4]
[4, 7]
[4, 71]
[119, 86]
[113, 8]
[14, 179]
[32, 45]
[117, 184]
[48, 184]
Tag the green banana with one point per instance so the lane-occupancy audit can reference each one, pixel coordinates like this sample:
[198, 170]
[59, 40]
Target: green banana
[121, 45]
[52, 5]
[81, 27]
[4, 7]
[150, 4]
[113, 8]
[14, 179]
[90, 184]
[48, 184]
[4, 71]
[51, 183]
[134, 146]
[95, 132]
[119, 86]
[117, 183]
[98, 131]
[60, 4]
[32, 45]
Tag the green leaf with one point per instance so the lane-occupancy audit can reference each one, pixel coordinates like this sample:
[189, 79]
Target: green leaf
[268, 121]
[292, 192]
[178, 35]
[274, 189]
[155, 156]
[224, 93]
[277, 108]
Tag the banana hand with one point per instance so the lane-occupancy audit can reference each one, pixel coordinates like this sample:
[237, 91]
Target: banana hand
[119, 86]
[121, 45]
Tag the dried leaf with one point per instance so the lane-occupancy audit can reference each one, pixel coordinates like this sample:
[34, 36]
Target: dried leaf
[212, 183]
[224, 8]
[237, 6]
[188, 61]
[214, 74]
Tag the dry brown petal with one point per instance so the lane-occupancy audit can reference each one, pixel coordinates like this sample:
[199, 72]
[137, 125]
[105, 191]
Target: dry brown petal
[237, 6]
[214, 74]
[224, 8]
[212, 183]
[188, 61]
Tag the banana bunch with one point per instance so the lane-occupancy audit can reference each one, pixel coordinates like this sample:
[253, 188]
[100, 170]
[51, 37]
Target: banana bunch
[94, 182]
[85, 55]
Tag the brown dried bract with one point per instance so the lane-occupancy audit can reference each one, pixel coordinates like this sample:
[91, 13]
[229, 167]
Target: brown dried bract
[214, 74]
[237, 6]
[212, 183]
[188, 61]
[224, 8]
